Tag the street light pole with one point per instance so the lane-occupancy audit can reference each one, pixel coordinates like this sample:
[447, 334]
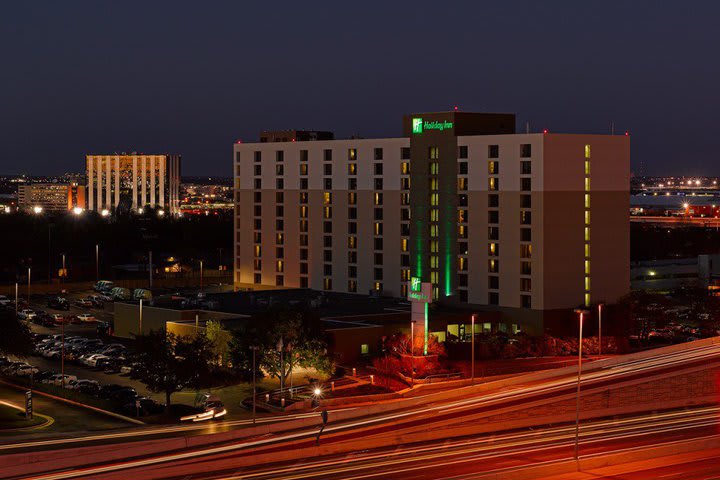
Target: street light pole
[29, 274]
[97, 262]
[17, 288]
[254, 349]
[62, 356]
[600, 328]
[140, 322]
[577, 394]
[472, 349]
[412, 354]
[201, 275]
[63, 277]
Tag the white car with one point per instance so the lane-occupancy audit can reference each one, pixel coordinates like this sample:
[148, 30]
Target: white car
[5, 301]
[26, 314]
[77, 384]
[26, 371]
[58, 379]
[86, 318]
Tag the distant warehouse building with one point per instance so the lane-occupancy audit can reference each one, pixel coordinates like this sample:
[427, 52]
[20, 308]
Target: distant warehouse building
[527, 226]
[50, 197]
[133, 182]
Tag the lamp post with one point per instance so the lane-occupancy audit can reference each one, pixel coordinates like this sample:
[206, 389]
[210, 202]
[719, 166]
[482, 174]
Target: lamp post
[581, 314]
[412, 354]
[17, 288]
[600, 305]
[254, 349]
[472, 349]
[63, 277]
[201, 275]
[29, 274]
[97, 262]
[62, 356]
[140, 318]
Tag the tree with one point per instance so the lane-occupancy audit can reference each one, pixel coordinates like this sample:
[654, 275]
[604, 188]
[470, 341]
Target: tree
[287, 338]
[167, 363]
[219, 340]
[15, 336]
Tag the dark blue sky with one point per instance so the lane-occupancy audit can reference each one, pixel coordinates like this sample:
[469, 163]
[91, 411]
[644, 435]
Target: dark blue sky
[190, 77]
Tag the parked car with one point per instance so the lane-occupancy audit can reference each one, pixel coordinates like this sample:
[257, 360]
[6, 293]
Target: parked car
[123, 395]
[58, 303]
[86, 318]
[83, 384]
[103, 286]
[26, 314]
[143, 406]
[6, 302]
[83, 303]
[57, 379]
[25, 370]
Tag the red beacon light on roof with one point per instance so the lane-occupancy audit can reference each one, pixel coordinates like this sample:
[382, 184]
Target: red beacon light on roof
[238, 141]
[545, 131]
[455, 108]
[627, 134]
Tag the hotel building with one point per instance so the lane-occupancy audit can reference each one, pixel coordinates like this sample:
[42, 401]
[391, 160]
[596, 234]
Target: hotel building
[50, 197]
[523, 225]
[132, 182]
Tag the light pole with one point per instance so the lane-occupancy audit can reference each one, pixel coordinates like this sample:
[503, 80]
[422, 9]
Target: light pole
[62, 356]
[97, 262]
[201, 275]
[472, 349]
[140, 319]
[600, 305]
[29, 274]
[412, 354]
[64, 276]
[581, 313]
[254, 349]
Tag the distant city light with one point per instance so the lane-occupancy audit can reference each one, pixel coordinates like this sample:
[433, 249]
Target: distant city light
[105, 212]
[317, 391]
[77, 211]
[37, 209]
[651, 273]
[685, 206]
[161, 213]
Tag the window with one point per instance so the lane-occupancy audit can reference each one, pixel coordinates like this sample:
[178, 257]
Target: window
[327, 198]
[587, 250]
[493, 200]
[378, 214]
[258, 156]
[493, 151]
[462, 264]
[257, 210]
[525, 268]
[279, 225]
[327, 283]
[434, 231]
[493, 282]
[327, 169]
[352, 154]
[279, 184]
[257, 224]
[433, 183]
[525, 251]
[405, 168]
[352, 256]
[377, 273]
[378, 184]
[493, 216]
[587, 167]
[434, 153]
[258, 184]
[405, 153]
[303, 169]
[378, 198]
[257, 251]
[352, 241]
[304, 282]
[525, 301]
[279, 238]
[304, 226]
[352, 228]
[378, 228]
[525, 201]
[258, 170]
[587, 151]
[327, 212]
[257, 264]
[279, 211]
[587, 267]
[303, 254]
[327, 227]
[462, 168]
[493, 233]
[405, 214]
[279, 197]
[304, 240]
[279, 156]
[327, 269]
[257, 196]
[352, 213]
[352, 198]
[404, 184]
[257, 278]
[352, 286]
[525, 235]
[378, 154]
[587, 217]
[279, 266]
[257, 237]
[378, 168]
[434, 198]
[525, 167]
[587, 234]
[493, 298]
[352, 168]
[304, 186]
[494, 168]
[352, 271]
[462, 280]
[493, 265]
[404, 245]
[525, 184]
[463, 151]
[493, 184]
[587, 200]
[327, 255]
[303, 155]
[434, 168]
[525, 217]
[525, 285]
[462, 183]
[327, 155]
[462, 216]
[493, 249]
[525, 150]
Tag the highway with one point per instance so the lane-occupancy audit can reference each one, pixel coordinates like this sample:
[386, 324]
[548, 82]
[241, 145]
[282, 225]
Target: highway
[429, 416]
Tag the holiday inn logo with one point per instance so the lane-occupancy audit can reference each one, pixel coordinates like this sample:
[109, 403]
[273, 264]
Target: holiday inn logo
[418, 125]
[415, 284]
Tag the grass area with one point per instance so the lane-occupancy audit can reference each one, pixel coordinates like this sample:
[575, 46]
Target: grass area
[11, 418]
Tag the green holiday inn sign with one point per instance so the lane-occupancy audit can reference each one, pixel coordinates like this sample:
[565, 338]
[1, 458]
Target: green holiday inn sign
[418, 126]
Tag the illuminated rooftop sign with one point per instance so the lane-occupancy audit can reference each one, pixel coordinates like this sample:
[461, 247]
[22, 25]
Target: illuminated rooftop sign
[418, 125]
[415, 284]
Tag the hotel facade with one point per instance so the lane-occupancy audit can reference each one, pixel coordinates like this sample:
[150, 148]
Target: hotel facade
[523, 225]
[132, 182]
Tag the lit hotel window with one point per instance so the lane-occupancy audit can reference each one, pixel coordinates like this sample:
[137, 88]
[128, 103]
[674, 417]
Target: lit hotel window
[434, 168]
[587, 184]
[587, 217]
[303, 169]
[279, 238]
[587, 267]
[434, 261]
[404, 245]
[493, 168]
[587, 151]
[587, 250]
[279, 265]
[434, 213]
[327, 198]
[433, 183]
[434, 199]
[434, 246]
[587, 201]
[493, 183]
[587, 234]
[493, 266]
[328, 212]
[352, 241]
[587, 283]
[352, 198]
[352, 154]
[378, 228]
[352, 168]
[257, 250]
[378, 198]
[434, 277]
[587, 167]
[433, 231]
[525, 251]
[493, 249]
[587, 299]
[434, 153]
[405, 168]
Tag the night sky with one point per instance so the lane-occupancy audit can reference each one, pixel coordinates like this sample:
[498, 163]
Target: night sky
[191, 77]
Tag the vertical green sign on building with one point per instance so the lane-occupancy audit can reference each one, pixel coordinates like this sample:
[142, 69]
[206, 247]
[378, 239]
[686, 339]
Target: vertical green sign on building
[417, 125]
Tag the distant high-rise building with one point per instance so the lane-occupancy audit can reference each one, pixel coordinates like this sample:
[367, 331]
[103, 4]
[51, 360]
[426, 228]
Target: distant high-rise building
[50, 197]
[525, 225]
[132, 182]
